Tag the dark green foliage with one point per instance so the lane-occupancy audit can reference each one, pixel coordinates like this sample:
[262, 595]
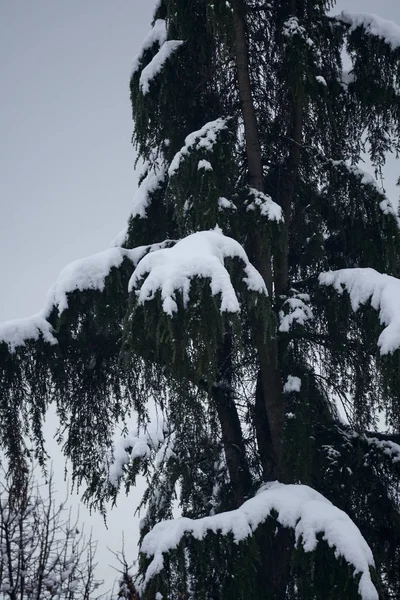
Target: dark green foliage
[118, 357]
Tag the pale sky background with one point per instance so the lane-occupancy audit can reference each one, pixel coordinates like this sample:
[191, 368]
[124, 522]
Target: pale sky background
[66, 161]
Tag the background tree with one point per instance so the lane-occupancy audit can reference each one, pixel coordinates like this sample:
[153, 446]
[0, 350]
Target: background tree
[43, 554]
[238, 309]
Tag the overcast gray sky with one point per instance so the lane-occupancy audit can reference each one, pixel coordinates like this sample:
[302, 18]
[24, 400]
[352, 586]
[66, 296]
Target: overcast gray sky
[66, 162]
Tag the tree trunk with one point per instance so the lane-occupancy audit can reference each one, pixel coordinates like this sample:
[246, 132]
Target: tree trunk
[267, 349]
[235, 452]
[286, 199]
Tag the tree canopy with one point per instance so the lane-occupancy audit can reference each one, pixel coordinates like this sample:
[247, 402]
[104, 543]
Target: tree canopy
[247, 318]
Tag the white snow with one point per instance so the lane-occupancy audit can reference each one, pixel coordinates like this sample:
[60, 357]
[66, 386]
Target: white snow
[142, 197]
[388, 31]
[388, 447]
[18, 331]
[204, 138]
[157, 34]
[267, 207]
[321, 80]
[225, 203]
[293, 384]
[136, 444]
[85, 274]
[90, 273]
[298, 507]
[296, 311]
[156, 64]
[383, 291]
[366, 178]
[204, 164]
[201, 255]
[150, 184]
[292, 27]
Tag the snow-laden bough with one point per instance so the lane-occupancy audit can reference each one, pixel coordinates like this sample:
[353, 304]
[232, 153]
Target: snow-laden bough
[297, 507]
[202, 254]
[383, 290]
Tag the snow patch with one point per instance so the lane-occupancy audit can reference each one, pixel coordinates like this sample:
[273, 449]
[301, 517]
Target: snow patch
[201, 254]
[225, 203]
[18, 331]
[136, 444]
[149, 185]
[366, 178]
[295, 310]
[297, 506]
[204, 138]
[388, 31]
[388, 447]
[157, 34]
[205, 165]
[142, 198]
[383, 291]
[292, 27]
[267, 207]
[293, 384]
[156, 64]
[85, 274]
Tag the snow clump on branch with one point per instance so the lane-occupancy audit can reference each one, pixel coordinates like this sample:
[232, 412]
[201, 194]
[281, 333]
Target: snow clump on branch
[267, 207]
[156, 64]
[386, 30]
[84, 274]
[298, 507]
[201, 255]
[383, 291]
[203, 138]
[157, 34]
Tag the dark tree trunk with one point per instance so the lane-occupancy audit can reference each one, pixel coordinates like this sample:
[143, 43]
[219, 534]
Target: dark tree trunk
[267, 349]
[286, 199]
[232, 437]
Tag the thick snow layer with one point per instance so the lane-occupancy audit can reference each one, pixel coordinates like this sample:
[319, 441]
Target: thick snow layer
[383, 291]
[85, 274]
[267, 207]
[293, 384]
[294, 310]
[204, 138]
[157, 34]
[90, 273]
[15, 333]
[202, 255]
[388, 31]
[156, 64]
[297, 506]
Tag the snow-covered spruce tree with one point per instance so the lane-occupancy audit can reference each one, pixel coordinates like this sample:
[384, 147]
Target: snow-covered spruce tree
[251, 295]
